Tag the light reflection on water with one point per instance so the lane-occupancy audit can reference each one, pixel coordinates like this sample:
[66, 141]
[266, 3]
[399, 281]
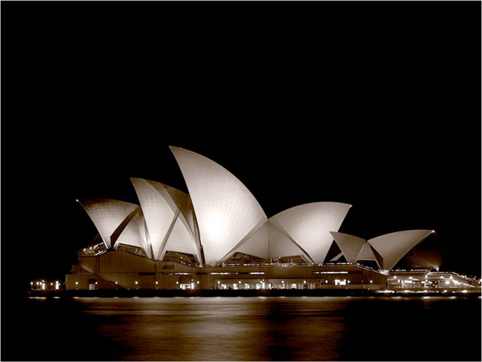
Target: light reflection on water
[224, 328]
[253, 328]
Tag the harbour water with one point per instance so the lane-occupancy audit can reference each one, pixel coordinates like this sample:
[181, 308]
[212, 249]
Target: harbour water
[247, 328]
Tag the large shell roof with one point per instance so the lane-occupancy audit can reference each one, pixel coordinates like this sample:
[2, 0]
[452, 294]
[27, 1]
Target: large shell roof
[107, 215]
[226, 210]
[309, 226]
[392, 247]
[165, 210]
[350, 245]
[386, 250]
[220, 217]
[303, 230]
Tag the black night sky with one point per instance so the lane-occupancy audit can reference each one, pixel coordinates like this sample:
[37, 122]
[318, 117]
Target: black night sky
[376, 105]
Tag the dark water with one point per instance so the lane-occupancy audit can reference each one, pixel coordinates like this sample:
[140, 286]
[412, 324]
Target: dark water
[243, 328]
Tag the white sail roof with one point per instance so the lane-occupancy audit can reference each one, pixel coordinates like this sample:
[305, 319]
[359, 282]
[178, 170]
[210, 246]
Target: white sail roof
[392, 247]
[108, 215]
[168, 218]
[349, 245]
[281, 245]
[226, 211]
[181, 240]
[183, 236]
[368, 253]
[136, 234]
[157, 212]
[269, 242]
[221, 217]
[309, 226]
[255, 243]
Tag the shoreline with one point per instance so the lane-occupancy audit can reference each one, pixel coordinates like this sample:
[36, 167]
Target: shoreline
[122, 293]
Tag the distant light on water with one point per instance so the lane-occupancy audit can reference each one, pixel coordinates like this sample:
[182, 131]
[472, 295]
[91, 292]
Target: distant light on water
[309, 328]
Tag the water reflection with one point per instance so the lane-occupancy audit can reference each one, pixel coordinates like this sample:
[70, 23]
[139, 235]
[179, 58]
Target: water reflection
[222, 328]
[324, 328]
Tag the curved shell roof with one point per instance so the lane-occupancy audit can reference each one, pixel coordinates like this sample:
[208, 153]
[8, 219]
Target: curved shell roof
[309, 226]
[166, 213]
[157, 212]
[220, 216]
[368, 253]
[135, 234]
[165, 221]
[392, 247]
[386, 250]
[350, 245]
[281, 245]
[269, 242]
[108, 215]
[226, 210]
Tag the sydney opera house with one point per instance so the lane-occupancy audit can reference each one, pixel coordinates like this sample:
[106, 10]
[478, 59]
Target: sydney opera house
[218, 237]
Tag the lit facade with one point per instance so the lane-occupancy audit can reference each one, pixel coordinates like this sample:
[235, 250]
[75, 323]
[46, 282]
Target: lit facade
[125, 270]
